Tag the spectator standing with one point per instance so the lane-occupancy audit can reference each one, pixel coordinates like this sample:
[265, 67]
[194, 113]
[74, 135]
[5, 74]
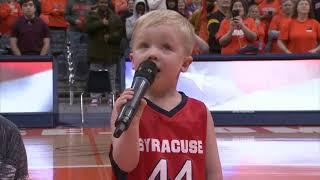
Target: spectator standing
[208, 6]
[75, 13]
[30, 35]
[172, 5]
[52, 12]
[104, 30]
[276, 23]
[182, 9]
[37, 5]
[139, 10]
[269, 8]
[195, 20]
[9, 12]
[261, 26]
[238, 31]
[214, 21]
[302, 28]
[128, 12]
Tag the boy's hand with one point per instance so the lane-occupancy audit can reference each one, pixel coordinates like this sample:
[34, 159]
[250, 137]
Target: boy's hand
[125, 96]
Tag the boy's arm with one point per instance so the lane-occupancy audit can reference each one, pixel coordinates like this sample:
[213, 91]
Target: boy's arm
[126, 151]
[213, 165]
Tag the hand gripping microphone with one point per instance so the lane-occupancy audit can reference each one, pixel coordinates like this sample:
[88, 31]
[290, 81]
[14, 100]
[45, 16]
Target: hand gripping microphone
[143, 78]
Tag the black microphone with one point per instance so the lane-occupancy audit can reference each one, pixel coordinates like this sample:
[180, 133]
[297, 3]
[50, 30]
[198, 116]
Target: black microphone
[143, 78]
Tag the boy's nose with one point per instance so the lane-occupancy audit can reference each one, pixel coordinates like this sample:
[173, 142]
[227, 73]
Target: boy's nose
[152, 57]
[153, 53]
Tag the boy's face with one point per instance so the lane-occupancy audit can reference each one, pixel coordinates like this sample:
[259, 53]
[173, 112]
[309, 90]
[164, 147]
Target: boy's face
[165, 46]
[28, 9]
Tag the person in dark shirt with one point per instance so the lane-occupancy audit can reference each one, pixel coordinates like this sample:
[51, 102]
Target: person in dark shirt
[13, 158]
[104, 29]
[214, 20]
[30, 35]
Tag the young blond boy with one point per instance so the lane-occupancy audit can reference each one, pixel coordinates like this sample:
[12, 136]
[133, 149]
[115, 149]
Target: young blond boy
[172, 136]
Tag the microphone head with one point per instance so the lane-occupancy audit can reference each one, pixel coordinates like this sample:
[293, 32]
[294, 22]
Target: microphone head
[147, 69]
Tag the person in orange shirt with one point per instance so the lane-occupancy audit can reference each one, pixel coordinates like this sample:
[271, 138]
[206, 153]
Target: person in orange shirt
[9, 12]
[52, 12]
[261, 26]
[275, 26]
[268, 9]
[120, 6]
[238, 31]
[302, 33]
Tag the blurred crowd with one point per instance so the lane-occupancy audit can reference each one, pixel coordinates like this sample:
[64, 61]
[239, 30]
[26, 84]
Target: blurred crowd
[97, 33]
[259, 26]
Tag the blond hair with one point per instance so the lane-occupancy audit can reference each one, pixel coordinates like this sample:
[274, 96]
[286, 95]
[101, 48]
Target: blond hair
[170, 18]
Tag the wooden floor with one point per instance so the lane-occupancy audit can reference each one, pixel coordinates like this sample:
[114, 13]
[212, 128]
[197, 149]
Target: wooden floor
[264, 153]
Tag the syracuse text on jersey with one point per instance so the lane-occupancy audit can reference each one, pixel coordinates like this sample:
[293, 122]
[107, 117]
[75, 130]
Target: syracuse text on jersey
[171, 146]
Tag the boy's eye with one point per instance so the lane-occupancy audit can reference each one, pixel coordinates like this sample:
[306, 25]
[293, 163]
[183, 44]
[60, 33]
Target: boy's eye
[143, 45]
[167, 47]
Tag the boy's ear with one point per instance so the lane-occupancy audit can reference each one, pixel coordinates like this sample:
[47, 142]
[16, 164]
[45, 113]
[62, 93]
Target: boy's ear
[131, 59]
[186, 63]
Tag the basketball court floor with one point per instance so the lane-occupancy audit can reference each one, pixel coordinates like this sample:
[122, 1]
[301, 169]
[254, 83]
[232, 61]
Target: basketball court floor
[246, 153]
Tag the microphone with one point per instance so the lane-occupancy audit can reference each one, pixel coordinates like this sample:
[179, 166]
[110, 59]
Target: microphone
[143, 78]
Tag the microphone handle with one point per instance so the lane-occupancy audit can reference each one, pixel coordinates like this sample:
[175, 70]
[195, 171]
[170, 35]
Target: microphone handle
[140, 86]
